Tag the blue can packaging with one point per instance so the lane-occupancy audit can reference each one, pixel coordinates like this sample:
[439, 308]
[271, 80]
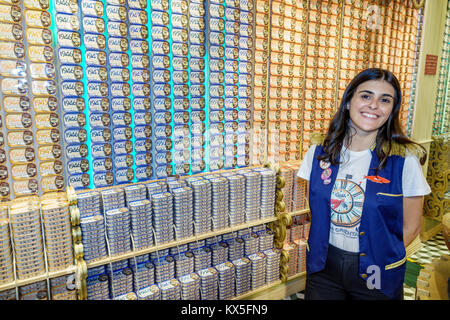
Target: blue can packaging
[143, 145]
[102, 164]
[144, 159]
[124, 175]
[121, 118]
[79, 181]
[101, 150]
[144, 172]
[123, 147]
[103, 179]
[122, 133]
[102, 135]
[142, 132]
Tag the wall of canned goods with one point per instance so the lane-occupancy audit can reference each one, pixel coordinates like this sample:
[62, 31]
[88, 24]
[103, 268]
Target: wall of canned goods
[114, 98]
[100, 93]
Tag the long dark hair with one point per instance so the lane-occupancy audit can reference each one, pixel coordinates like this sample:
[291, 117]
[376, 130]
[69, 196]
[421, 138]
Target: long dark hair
[339, 129]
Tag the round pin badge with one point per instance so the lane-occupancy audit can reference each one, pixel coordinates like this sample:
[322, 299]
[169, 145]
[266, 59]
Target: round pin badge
[326, 174]
[324, 165]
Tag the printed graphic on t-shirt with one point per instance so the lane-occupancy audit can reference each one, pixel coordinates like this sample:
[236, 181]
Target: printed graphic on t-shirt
[347, 199]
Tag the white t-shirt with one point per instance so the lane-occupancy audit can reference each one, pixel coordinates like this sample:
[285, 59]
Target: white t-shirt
[347, 196]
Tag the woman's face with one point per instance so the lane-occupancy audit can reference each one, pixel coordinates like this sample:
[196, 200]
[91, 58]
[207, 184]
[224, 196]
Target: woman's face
[371, 106]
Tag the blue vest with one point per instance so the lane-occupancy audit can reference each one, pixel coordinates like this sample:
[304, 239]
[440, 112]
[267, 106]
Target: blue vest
[381, 228]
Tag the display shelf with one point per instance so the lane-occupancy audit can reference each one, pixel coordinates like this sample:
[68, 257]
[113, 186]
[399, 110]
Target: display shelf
[176, 243]
[18, 283]
[300, 212]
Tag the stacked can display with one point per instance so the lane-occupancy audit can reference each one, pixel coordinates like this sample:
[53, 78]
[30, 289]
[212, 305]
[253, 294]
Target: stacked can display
[140, 111]
[119, 67]
[72, 76]
[16, 104]
[197, 76]
[97, 56]
[161, 79]
[245, 81]
[216, 65]
[43, 85]
[27, 240]
[202, 204]
[179, 39]
[58, 235]
[286, 72]
[6, 272]
[262, 42]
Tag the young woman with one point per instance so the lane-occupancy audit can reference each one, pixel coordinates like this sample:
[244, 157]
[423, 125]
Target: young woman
[366, 191]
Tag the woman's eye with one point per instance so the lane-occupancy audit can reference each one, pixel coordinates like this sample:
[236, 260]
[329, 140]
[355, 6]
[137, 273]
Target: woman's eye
[365, 97]
[386, 100]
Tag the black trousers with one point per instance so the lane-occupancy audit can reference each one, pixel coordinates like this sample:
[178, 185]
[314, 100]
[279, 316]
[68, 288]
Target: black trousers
[340, 280]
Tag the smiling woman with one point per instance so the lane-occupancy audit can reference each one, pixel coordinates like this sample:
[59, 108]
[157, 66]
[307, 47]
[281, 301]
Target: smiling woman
[365, 192]
[370, 108]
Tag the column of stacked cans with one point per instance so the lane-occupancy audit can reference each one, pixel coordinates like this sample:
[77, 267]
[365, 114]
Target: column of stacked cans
[272, 265]
[156, 187]
[93, 237]
[202, 204]
[227, 278]
[89, 203]
[135, 192]
[202, 257]
[219, 200]
[252, 195]
[184, 260]
[301, 255]
[97, 284]
[258, 260]
[209, 283]
[298, 191]
[58, 234]
[6, 257]
[162, 217]
[118, 230]
[236, 185]
[113, 199]
[243, 275]
[292, 250]
[149, 293]
[164, 268]
[121, 278]
[235, 248]
[143, 272]
[288, 174]
[27, 239]
[268, 186]
[306, 227]
[219, 253]
[170, 289]
[190, 286]
[141, 223]
[251, 243]
[183, 210]
[296, 232]
[266, 237]
[173, 183]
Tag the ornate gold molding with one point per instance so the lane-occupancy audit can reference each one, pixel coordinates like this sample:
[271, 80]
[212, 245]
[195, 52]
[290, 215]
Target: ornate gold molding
[438, 176]
[80, 264]
[418, 3]
[279, 226]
